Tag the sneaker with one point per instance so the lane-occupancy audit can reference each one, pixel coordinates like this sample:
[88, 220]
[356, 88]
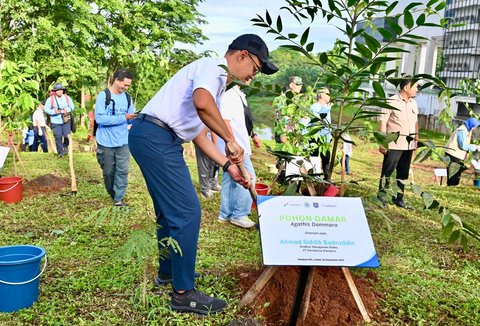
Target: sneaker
[243, 222]
[216, 188]
[120, 203]
[196, 301]
[206, 194]
[222, 219]
[164, 279]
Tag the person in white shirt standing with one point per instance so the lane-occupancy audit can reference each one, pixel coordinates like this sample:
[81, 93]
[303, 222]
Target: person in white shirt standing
[178, 113]
[39, 128]
[236, 202]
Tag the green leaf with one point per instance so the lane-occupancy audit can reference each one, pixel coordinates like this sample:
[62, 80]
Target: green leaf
[427, 199]
[464, 242]
[417, 190]
[363, 50]
[390, 8]
[441, 6]
[268, 17]
[279, 24]
[447, 230]
[377, 87]
[422, 155]
[323, 58]
[372, 42]
[421, 19]
[304, 37]
[453, 168]
[408, 19]
[309, 47]
[454, 236]
[412, 5]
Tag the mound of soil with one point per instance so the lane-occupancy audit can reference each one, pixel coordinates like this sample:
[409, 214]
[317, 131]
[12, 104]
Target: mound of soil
[331, 302]
[45, 183]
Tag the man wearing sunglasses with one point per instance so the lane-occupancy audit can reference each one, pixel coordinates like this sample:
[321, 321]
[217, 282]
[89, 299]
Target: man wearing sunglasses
[178, 113]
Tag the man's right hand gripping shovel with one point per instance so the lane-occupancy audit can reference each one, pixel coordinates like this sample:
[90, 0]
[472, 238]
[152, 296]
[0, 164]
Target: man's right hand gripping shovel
[233, 151]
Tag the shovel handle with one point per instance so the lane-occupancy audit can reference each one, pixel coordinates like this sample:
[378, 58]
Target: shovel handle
[246, 176]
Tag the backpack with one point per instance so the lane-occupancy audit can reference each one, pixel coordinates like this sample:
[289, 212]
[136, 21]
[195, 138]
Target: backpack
[108, 99]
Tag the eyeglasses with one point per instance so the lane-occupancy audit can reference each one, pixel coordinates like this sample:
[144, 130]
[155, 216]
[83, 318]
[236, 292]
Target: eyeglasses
[257, 68]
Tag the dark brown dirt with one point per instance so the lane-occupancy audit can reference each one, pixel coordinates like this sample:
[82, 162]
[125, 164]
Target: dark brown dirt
[44, 184]
[331, 302]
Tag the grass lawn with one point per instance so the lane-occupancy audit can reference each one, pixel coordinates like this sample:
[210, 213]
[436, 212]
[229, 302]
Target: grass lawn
[422, 279]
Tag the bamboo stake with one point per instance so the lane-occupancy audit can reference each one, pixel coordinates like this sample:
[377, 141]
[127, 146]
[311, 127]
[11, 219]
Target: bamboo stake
[70, 161]
[356, 295]
[16, 154]
[50, 141]
[258, 286]
[342, 180]
[309, 286]
[280, 170]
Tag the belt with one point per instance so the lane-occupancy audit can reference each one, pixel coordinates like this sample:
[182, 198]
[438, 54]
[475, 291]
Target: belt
[149, 118]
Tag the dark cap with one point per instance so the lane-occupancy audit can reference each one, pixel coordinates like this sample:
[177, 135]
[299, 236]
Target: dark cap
[255, 45]
[57, 87]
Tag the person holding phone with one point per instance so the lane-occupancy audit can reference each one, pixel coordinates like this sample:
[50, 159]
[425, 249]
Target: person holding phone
[113, 121]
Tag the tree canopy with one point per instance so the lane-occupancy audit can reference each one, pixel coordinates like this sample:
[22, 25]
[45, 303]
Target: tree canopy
[83, 42]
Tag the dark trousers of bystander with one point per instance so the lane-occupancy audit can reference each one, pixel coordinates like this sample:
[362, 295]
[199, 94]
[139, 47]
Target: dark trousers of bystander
[42, 140]
[399, 161]
[454, 179]
[61, 132]
[115, 164]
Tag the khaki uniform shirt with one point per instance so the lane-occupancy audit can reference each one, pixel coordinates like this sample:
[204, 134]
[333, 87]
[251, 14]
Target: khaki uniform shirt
[452, 147]
[403, 120]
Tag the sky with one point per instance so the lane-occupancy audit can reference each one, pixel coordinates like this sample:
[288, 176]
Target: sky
[228, 19]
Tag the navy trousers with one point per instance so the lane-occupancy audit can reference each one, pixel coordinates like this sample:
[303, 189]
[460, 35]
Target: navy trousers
[159, 153]
[61, 132]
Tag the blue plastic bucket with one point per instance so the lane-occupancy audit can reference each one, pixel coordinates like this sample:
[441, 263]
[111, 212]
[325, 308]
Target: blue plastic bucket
[20, 276]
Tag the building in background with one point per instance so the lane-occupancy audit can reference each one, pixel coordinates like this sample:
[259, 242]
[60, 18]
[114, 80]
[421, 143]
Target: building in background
[461, 51]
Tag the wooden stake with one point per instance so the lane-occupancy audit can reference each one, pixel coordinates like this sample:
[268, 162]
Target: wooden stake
[50, 141]
[70, 161]
[356, 295]
[309, 286]
[258, 286]
[308, 292]
[342, 180]
[280, 170]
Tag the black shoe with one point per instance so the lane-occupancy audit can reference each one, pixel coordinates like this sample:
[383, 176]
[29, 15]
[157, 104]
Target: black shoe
[164, 279]
[196, 301]
[402, 204]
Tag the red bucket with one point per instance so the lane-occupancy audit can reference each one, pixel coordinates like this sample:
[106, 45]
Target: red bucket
[11, 189]
[261, 189]
[331, 191]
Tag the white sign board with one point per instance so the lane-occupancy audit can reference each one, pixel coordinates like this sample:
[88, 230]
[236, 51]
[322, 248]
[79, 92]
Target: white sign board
[3, 155]
[315, 231]
[440, 172]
